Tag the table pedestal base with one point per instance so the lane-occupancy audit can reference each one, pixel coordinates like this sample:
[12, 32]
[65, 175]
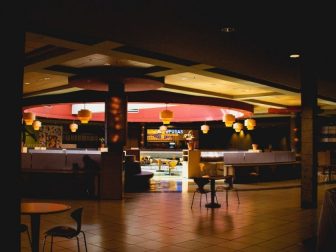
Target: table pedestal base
[213, 205]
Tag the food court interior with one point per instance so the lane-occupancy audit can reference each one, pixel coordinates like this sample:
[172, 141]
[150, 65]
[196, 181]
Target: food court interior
[241, 101]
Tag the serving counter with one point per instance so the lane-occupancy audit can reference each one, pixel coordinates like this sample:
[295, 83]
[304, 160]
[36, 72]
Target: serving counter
[57, 173]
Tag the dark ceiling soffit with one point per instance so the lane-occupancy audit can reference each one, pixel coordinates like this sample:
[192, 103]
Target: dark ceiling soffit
[64, 69]
[43, 53]
[61, 34]
[252, 79]
[154, 55]
[147, 96]
[75, 70]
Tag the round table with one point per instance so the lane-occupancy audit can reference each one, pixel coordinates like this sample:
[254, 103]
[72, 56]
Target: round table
[35, 209]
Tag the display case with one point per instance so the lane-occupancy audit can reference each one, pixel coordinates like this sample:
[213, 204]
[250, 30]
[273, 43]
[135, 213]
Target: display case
[191, 160]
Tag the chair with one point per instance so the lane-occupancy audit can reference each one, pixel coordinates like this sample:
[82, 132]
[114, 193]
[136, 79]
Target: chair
[228, 186]
[229, 173]
[201, 182]
[171, 165]
[67, 231]
[24, 228]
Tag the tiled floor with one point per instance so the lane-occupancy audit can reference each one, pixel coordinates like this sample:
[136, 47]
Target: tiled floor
[265, 220]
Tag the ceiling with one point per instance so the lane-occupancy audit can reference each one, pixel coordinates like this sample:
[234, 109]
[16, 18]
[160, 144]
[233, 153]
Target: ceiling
[184, 46]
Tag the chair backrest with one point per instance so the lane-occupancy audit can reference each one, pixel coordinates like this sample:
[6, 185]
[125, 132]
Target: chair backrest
[201, 182]
[172, 163]
[77, 216]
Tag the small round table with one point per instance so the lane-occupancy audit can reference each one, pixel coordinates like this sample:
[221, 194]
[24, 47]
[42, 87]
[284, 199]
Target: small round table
[35, 209]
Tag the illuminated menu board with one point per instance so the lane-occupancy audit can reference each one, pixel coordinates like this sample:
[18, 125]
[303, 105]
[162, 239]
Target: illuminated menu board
[171, 135]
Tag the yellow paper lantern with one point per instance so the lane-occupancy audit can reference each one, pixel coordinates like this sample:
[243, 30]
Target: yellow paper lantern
[205, 128]
[238, 126]
[163, 128]
[229, 119]
[84, 115]
[250, 123]
[166, 116]
[29, 118]
[73, 127]
[36, 125]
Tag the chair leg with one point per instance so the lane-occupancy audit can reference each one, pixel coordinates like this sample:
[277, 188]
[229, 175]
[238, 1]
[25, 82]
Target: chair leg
[192, 202]
[84, 240]
[30, 241]
[78, 249]
[227, 197]
[200, 199]
[52, 241]
[45, 237]
[216, 198]
[238, 196]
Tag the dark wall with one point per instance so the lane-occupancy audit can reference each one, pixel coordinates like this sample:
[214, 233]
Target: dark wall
[269, 131]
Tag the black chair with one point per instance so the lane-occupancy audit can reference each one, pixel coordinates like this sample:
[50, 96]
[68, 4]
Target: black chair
[201, 182]
[24, 228]
[228, 186]
[67, 231]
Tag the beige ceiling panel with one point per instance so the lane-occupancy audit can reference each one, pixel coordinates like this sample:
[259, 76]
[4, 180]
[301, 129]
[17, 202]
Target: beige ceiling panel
[196, 81]
[286, 100]
[101, 60]
[36, 81]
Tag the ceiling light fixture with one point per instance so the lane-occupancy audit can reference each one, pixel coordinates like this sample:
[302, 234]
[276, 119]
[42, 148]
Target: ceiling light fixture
[29, 118]
[229, 119]
[250, 123]
[294, 56]
[163, 128]
[238, 126]
[84, 115]
[166, 116]
[228, 29]
[37, 125]
[73, 127]
[205, 128]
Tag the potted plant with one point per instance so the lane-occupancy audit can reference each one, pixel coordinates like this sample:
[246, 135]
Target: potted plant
[189, 137]
[102, 142]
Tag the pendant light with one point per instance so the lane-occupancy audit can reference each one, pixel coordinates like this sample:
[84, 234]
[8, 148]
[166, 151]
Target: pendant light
[250, 123]
[84, 115]
[229, 119]
[36, 125]
[73, 127]
[166, 115]
[238, 126]
[29, 118]
[163, 128]
[205, 128]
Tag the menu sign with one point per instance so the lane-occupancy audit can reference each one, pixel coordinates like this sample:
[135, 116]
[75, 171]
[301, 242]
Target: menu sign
[170, 135]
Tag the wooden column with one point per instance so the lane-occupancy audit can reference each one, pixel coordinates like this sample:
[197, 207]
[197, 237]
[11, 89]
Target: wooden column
[115, 137]
[308, 131]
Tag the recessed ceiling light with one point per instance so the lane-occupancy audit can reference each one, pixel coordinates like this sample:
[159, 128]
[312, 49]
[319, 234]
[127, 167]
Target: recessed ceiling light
[228, 29]
[107, 64]
[294, 56]
[46, 78]
[27, 83]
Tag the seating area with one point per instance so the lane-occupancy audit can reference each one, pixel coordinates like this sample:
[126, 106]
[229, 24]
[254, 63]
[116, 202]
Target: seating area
[266, 220]
[135, 179]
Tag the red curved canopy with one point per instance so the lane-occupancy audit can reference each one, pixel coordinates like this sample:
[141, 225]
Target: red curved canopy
[144, 112]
